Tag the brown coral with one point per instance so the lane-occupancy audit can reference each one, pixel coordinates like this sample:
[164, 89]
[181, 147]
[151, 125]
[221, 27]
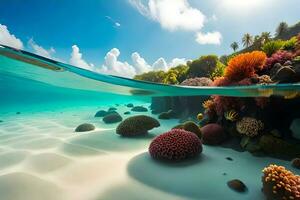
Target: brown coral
[249, 126]
[280, 184]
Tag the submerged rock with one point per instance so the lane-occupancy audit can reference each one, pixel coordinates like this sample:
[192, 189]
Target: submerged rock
[18, 113]
[175, 145]
[85, 127]
[139, 109]
[112, 109]
[296, 163]
[112, 118]
[130, 105]
[237, 185]
[213, 134]
[229, 158]
[127, 113]
[137, 125]
[100, 113]
[164, 115]
[285, 74]
[295, 128]
[191, 127]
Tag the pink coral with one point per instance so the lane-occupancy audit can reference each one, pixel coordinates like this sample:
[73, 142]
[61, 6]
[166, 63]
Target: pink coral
[175, 145]
[278, 57]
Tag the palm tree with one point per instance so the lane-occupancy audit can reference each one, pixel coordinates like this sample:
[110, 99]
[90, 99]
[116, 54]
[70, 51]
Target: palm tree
[282, 28]
[247, 40]
[234, 46]
[265, 37]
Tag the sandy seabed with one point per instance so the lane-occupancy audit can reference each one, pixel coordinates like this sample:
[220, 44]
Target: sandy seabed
[41, 157]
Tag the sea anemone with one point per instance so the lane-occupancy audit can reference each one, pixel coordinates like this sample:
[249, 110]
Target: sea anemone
[231, 115]
[245, 65]
[212, 134]
[175, 145]
[137, 125]
[278, 57]
[280, 184]
[249, 126]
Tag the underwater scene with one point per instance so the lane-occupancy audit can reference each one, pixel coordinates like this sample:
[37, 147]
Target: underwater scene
[219, 126]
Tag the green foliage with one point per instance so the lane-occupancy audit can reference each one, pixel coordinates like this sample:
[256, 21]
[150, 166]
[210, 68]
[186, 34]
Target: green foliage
[153, 76]
[271, 47]
[289, 45]
[170, 77]
[218, 71]
[234, 46]
[202, 67]
[181, 72]
[247, 40]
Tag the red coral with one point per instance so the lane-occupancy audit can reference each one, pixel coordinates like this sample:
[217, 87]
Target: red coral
[223, 104]
[278, 57]
[175, 145]
[221, 81]
[245, 65]
[212, 134]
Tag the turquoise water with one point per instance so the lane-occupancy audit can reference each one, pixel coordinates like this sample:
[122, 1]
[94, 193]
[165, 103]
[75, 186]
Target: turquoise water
[39, 148]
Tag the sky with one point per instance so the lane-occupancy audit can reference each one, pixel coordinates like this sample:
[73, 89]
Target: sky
[128, 37]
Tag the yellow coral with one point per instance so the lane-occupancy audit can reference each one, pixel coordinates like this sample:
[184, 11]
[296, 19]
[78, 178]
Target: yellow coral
[231, 115]
[200, 116]
[208, 104]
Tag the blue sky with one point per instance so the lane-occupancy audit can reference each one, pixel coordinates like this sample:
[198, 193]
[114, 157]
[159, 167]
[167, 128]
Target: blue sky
[108, 33]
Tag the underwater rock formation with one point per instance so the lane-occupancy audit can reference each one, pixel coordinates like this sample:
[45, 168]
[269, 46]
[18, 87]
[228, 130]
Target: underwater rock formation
[139, 109]
[137, 125]
[295, 128]
[237, 185]
[130, 105]
[112, 118]
[191, 127]
[296, 163]
[175, 145]
[213, 134]
[85, 127]
[112, 109]
[279, 183]
[100, 113]
[127, 113]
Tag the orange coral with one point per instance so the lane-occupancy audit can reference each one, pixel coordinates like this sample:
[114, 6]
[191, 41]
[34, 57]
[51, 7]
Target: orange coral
[279, 183]
[245, 65]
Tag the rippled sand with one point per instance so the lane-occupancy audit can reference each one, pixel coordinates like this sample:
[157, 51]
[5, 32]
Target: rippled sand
[41, 157]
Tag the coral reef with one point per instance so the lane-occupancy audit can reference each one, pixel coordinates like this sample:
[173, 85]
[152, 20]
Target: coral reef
[213, 134]
[175, 145]
[139, 109]
[85, 127]
[279, 183]
[112, 118]
[231, 115]
[202, 81]
[249, 126]
[279, 57]
[137, 125]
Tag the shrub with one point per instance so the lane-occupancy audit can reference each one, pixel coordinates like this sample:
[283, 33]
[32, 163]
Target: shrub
[245, 65]
[202, 81]
[290, 44]
[203, 66]
[271, 47]
[175, 145]
[218, 71]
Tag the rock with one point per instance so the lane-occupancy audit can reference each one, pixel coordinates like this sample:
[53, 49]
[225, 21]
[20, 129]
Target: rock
[85, 127]
[137, 125]
[287, 63]
[164, 115]
[127, 113]
[296, 163]
[130, 105]
[100, 113]
[112, 118]
[285, 75]
[237, 185]
[295, 128]
[250, 144]
[275, 133]
[112, 109]
[212, 134]
[229, 158]
[274, 69]
[139, 109]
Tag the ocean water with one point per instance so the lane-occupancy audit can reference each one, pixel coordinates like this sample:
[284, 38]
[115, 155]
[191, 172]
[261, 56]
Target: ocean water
[41, 157]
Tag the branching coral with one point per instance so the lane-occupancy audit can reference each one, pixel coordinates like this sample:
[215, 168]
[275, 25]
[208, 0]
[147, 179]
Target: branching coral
[245, 65]
[175, 145]
[280, 184]
[249, 126]
[278, 57]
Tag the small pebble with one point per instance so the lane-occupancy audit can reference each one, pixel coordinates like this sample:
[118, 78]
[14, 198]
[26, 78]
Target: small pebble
[229, 158]
[237, 185]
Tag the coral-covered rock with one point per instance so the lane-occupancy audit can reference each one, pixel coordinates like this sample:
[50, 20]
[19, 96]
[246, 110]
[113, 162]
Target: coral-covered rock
[112, 118]
[296, 163]
[137, 125]
[285, 74]
[279, 57]
[279, 183]
[100, 113]
[85, 127]
[249, 126]
[237, 185]
[164, 115]
[191, 127]
[198, 81]
[139, 109]
[213, 134]
[175, 145]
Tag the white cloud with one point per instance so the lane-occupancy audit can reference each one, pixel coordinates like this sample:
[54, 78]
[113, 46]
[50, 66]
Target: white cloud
[160, 64]
[40, 50]
[139, 63]
[77, 60]
[209, 38]
[214, 17]
[177, 61]
[9, 39]
[171, 14]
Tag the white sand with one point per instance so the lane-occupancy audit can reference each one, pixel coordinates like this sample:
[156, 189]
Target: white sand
[41, 157]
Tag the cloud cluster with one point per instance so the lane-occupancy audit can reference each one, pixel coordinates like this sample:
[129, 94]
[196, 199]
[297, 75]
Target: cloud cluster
[177, 15]
[9, 39]
[40, 50]
[77, 60]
